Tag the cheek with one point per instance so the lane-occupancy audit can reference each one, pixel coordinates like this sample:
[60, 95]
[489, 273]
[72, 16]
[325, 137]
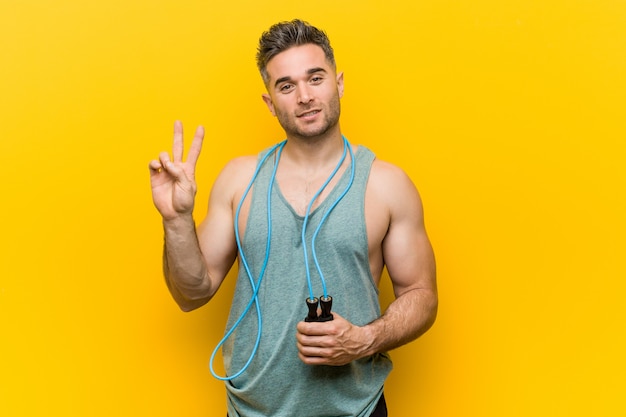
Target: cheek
[282, 106]
[333, 94]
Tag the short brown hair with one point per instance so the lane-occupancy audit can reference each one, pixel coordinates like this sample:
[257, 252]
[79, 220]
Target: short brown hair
[285, 35]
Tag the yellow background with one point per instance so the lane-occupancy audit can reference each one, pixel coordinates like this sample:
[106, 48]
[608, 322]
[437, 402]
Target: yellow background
[508, 115]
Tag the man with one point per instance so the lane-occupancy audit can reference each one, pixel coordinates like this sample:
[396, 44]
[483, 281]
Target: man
[313, 216]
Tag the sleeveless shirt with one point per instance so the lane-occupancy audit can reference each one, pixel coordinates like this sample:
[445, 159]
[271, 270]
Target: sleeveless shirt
[277, 383]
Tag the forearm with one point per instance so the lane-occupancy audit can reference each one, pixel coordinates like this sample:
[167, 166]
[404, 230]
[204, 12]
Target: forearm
[338, 342]
[407, 317]
[183, 264]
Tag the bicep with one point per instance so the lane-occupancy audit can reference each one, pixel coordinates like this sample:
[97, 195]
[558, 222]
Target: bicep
[216, 233]
[407, 250]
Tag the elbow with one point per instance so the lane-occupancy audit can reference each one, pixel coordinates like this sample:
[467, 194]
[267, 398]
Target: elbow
[192, 300]
[433, 316]
[433, 309]
[186, 308]
[187, 305]
[189, 300]
[429, 310]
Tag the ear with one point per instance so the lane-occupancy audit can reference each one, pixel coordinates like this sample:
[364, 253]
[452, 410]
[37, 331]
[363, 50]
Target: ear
[340, 84]
[268, 102]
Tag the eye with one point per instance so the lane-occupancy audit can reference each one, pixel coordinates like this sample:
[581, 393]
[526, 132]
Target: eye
[317, 79]
[285, 88]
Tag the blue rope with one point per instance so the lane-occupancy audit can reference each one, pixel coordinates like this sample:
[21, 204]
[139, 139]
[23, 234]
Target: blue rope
[306, 218]
[278, 148]
[326, 214]
[255, 286]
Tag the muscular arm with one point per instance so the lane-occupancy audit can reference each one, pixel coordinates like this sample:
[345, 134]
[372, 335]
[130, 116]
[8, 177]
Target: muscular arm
[195, 260]
[408, 255]
[409, 258]
[183, 265]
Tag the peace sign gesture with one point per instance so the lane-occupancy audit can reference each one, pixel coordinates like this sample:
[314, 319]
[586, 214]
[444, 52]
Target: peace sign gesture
[173, 182]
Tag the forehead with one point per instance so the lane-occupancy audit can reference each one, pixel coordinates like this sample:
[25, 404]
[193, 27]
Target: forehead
[295, 62]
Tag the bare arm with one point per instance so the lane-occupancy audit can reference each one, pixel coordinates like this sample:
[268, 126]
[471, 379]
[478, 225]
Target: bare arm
[409, 258]
[194, 263]
[410, 262]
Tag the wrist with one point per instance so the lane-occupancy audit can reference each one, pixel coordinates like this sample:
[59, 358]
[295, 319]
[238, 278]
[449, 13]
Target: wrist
[372, 337]
[181, 219]
[368, 341]
[179, 229]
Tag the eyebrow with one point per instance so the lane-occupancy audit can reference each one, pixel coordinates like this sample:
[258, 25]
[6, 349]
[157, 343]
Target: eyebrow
[309, 72]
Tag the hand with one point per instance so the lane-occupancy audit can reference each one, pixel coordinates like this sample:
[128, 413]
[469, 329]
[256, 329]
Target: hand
[335, 342]
[173, 182]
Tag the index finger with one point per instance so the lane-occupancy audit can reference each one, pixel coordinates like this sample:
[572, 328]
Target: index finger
[313, 328]
[178, 146]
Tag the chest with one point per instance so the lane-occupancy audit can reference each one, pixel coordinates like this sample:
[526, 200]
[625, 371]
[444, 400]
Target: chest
[305, 193]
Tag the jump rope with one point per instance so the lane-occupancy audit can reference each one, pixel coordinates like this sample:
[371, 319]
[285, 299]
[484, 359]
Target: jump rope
[325, 301]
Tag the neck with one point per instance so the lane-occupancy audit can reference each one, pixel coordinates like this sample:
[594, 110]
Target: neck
[314, 153]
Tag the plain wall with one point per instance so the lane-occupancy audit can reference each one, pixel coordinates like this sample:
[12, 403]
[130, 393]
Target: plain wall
[508, 116]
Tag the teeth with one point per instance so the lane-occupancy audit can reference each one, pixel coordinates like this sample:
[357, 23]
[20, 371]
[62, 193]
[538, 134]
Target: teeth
[309, 113]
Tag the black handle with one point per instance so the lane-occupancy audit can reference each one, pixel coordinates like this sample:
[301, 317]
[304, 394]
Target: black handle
[326, 303]
[312, 305]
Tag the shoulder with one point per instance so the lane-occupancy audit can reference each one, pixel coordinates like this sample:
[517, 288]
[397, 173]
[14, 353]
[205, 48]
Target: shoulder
[240, 167]
[233, 178]
[392, 191]
[384, 169]
[390, 181]
[236, 170]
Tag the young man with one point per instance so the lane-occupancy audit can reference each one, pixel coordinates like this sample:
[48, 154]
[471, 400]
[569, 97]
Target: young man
[314, 217]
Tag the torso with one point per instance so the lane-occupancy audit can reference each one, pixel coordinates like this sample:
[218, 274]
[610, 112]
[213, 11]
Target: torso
[282, 283]
[298, 189]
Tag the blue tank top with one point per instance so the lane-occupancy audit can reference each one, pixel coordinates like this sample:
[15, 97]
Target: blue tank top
[277, 383]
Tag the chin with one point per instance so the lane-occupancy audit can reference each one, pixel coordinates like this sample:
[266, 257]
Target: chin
[315, 132]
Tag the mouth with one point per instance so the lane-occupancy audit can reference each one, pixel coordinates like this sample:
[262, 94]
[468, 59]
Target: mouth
[308, 114]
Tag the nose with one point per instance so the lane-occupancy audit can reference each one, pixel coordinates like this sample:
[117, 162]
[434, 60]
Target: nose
[304, 94]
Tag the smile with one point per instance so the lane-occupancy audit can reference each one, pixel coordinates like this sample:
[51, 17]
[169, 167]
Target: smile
[308, 113]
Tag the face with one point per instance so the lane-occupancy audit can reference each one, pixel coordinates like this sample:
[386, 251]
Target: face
[304, 92]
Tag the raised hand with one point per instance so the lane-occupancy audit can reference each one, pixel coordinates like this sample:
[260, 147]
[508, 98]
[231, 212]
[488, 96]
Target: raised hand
[173, 181]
